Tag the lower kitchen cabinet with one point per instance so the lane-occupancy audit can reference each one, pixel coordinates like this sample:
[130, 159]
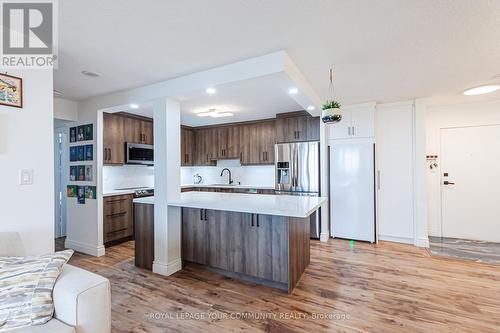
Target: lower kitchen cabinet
[118, 219]
[194, 235]
[253, 245]
[144, 234]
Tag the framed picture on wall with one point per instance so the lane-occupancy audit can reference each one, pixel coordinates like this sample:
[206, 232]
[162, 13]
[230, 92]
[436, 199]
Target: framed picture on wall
[11, 91]
[80, 153]
[72, 173]
[81, 194]
[90, 192]
[89, 132]
[81, 173]
[89, 152]
[88, 173]
[80, 133]
[71, 191]
[72, 154]
[72, 134]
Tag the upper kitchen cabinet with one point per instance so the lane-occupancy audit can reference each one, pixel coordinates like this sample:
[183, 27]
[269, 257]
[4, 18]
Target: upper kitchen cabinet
[187, 144]
[296, 127]
[262, 137]
[120, 128]
[205, 146]
[228, 142]
[358, 121]
[114, 139]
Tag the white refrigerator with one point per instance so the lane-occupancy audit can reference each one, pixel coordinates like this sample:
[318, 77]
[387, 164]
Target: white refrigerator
[352, 189]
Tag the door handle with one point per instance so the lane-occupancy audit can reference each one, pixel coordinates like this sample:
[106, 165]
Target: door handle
[448, 183]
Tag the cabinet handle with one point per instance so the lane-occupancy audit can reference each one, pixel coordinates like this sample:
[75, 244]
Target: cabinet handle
[349, 131]
[241, 156]
[206, 215]
[201, 214]
[257, 216]
[298, 134]
[252, 219]
[110, 158]
[353, 133]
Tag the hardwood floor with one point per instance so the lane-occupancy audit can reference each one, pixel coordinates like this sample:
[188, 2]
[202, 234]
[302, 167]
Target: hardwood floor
[364, 288]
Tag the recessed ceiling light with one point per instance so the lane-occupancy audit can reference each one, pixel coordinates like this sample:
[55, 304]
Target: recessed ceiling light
[482, 90]
[293, 91]
[133, 106]
[90, 73]
[310, 107]
[211, 91]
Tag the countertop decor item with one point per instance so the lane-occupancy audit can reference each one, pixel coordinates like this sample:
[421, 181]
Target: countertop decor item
[331, 108]
[11, 90]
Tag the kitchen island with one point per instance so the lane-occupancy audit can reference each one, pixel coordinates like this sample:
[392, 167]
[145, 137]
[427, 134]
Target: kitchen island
[259, 238]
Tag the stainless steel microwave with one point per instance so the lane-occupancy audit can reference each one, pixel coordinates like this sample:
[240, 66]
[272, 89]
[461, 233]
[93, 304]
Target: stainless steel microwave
[139, 154]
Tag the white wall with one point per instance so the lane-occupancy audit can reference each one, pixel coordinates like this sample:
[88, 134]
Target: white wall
[438, 117]
[258, 175]
[65, 109]
[26, 142]
[127, 176]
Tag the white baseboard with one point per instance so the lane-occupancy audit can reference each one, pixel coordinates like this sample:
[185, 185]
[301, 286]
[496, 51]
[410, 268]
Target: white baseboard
[404, 240]
[93, 250]
[422, 242]
[167, 269]
[324, 236]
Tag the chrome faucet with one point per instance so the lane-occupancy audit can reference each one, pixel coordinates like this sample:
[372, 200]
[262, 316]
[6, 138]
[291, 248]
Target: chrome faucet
[229, 171]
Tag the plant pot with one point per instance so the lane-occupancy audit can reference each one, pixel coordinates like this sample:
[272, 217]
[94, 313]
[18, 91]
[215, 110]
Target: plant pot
[333, 115]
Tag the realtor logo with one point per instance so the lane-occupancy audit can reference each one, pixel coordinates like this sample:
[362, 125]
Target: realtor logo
[28, 34]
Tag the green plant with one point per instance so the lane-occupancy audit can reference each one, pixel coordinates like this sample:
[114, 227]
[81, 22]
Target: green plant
[331, 105]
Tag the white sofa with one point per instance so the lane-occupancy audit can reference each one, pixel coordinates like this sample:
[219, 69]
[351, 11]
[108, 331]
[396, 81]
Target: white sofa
[82, 299]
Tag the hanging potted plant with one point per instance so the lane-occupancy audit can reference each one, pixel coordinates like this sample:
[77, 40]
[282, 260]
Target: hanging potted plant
[331, 108]
[331, 112]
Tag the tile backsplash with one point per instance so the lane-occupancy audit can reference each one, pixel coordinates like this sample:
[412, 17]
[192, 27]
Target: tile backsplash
[115, 177]
[259, 175]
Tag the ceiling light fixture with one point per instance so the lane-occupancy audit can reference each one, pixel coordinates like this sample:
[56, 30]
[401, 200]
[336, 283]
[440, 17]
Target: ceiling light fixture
[482, 90]
[293, 91]
[90, 73]
[133, 106]
[211, 91]
[310, 107]
[214, 114]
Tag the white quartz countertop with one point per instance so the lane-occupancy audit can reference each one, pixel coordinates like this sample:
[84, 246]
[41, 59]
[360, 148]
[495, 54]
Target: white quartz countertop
[110, 193]
[282, 205]
[229, 186]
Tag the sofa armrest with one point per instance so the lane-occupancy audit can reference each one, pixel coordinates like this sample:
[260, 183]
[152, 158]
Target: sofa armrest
[83, 300]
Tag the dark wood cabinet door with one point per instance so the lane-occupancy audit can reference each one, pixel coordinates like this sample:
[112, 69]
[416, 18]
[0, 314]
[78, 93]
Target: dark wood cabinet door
[219, 234]
[232, 149]
[194, 235]
[146, 132]
[268, 135]
[205, 146]
[187, 144]
[132, 130]
[250, 245]
[245, 154]
[313, 128]
[113, 139]
[221, 134]
[118, 217]
[144, 235]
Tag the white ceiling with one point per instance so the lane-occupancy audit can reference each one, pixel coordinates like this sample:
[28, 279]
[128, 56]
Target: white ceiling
[253, 99]
[382, 50]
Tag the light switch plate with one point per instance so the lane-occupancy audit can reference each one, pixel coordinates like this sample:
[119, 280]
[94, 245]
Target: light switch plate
[26, 176]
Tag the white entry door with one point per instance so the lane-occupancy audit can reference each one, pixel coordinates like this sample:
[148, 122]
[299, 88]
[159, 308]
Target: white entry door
[470, 182]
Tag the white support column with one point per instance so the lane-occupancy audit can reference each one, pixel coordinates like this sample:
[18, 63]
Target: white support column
[167, 186]
[324, 174]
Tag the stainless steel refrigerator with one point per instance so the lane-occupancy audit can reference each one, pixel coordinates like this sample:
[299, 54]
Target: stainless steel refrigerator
[297, 173]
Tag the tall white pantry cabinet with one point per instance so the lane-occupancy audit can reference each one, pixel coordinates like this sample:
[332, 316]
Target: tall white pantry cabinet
[372, 189]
